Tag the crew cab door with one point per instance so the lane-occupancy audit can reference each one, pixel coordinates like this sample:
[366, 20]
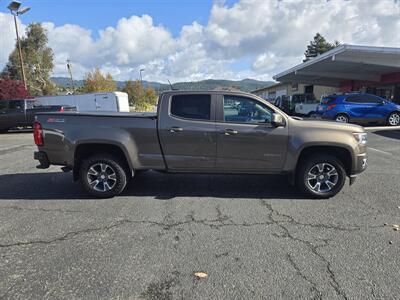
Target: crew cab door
[187, 131]
[246, 139]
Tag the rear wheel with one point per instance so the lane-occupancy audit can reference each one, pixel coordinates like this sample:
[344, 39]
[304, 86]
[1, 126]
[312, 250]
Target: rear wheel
[103, 176]
[3, 130]
[342, 118]
[312, 115]
[394, 119]
[321, 176]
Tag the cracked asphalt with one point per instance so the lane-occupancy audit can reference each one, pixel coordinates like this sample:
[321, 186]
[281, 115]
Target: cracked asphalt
[254, 236]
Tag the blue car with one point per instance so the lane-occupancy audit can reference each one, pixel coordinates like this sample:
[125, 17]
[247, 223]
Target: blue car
[359, 108]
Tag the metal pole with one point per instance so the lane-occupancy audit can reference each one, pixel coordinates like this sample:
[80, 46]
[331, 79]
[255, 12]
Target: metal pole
[141, 79]
[20, 53]
[70, 74]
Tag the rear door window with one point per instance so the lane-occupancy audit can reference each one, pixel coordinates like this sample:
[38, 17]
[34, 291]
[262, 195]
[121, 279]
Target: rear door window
[196, 107]
[354, 99]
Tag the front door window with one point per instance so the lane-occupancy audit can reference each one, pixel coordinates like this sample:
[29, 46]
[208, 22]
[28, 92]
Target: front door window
[245, 110]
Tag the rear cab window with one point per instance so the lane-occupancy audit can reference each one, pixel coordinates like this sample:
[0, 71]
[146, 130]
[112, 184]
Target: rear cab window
[194, 107]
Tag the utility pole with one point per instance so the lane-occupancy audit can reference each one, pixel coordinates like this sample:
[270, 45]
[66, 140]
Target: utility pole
[141, 79]
[15, 11]
[70, 74]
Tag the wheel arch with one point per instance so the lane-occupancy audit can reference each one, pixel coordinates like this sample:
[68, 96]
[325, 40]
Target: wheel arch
[342, 113]
[341, 153]
[86, 150]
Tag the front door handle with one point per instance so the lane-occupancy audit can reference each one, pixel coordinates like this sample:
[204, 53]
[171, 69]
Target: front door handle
[176, 129]
[229, 132]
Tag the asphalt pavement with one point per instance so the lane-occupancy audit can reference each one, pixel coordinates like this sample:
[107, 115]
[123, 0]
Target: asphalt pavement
[254, 236]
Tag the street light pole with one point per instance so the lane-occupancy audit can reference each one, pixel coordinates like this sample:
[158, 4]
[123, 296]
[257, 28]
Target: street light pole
[15, 10]
[21, 60]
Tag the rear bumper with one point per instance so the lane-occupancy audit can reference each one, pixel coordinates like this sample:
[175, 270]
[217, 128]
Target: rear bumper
[42, 158]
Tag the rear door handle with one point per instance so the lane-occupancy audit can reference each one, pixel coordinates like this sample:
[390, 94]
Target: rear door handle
[229, 132]
[176, 129]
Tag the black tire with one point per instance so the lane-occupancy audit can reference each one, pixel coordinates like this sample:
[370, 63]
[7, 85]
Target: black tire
[115, 169]
[307, 169]
[393, 119]
[3, 130]
[312, 115]
[344, 118]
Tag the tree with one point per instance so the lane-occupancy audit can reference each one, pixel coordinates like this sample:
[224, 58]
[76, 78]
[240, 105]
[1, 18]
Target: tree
[318, 46]
[38, 61]
[12, 89]
[96, 81]
[140, 97]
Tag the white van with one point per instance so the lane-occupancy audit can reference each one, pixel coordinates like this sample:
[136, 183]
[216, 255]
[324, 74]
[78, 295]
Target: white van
[110, 101]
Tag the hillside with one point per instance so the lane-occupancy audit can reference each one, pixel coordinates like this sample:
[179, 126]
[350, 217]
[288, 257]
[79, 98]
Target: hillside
[246, 85]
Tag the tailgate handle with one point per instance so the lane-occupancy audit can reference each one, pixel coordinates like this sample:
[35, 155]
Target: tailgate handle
[176, 129]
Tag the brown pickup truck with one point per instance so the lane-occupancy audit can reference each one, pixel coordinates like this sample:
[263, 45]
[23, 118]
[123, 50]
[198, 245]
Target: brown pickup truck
[207, 132]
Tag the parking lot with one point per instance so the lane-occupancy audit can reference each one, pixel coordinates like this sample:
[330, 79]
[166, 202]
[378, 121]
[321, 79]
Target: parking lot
[254, 236]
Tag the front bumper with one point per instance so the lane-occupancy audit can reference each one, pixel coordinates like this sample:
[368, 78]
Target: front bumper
[361, 164]
[42, 158]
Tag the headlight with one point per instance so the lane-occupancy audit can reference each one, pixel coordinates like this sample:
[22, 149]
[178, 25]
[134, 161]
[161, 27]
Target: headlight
[361, 138]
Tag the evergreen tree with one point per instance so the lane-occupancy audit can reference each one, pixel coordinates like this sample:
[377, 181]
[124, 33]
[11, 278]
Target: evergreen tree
[38, 61]
[318, 46]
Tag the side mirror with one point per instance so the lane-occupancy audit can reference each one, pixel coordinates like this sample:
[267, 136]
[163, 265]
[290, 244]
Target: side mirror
[277, 120]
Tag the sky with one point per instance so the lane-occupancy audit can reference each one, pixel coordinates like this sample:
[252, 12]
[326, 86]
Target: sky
[190, 40]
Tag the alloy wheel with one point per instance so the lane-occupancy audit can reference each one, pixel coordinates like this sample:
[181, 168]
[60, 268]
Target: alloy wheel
[394, 119]
[322, 177]
[342, 119]
[101, 177]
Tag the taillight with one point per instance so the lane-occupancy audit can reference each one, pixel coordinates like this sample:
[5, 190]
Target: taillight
[38, 133]
[330, 106]
[62, 109]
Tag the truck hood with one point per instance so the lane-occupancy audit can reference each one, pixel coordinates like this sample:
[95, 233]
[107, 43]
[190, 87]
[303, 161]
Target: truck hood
[327, 125]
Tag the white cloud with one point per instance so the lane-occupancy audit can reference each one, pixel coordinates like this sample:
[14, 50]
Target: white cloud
[268, 35]
[7, 37]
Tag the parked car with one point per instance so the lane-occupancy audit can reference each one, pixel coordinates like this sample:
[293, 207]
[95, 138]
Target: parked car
[21, 113]
[298, 104]
[111, 101]
[204, 132]
[359, 108]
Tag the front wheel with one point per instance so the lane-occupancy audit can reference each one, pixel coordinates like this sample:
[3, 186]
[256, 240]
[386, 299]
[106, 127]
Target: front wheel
[103, 176]
[394, 119]
[321, 176]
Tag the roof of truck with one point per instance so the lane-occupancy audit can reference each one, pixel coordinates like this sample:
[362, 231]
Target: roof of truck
[207, 92]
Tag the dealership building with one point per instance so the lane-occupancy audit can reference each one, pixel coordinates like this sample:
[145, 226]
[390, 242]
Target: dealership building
[346, 68]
